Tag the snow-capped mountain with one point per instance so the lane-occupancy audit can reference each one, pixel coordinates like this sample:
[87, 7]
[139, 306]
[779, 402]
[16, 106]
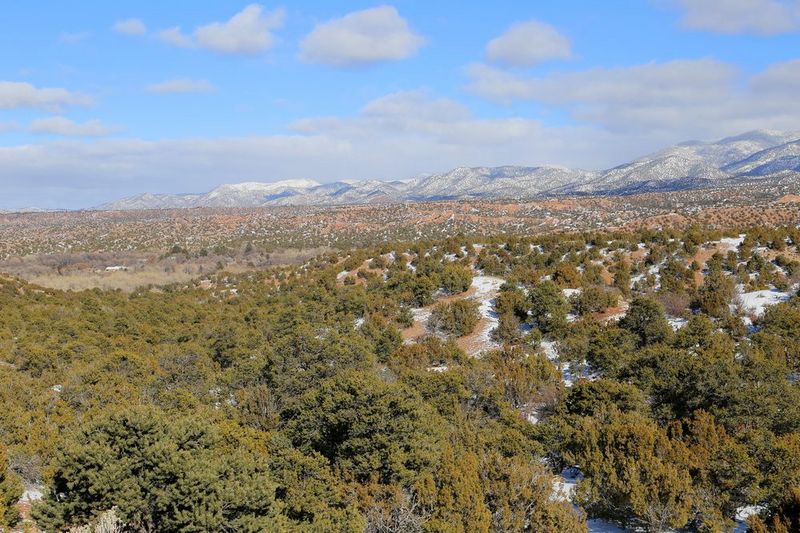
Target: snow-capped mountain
[495, 182]
[690, 165]
[770, 161]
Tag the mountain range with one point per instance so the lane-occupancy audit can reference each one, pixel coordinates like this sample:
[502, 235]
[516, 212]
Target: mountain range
[755, 155]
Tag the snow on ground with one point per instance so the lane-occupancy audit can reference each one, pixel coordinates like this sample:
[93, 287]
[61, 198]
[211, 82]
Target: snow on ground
[550, 351]
[731, 243]
[755, 302]
[563, 489]
[569, 373]
[597, 525]
[570, 292]
[421, 314]
[33, 494]
[486, 289]
[676, 323]
[564, 485]
[742, 514]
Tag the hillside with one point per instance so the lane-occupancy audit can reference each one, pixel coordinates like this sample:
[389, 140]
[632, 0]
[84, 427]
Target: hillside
[507, 383]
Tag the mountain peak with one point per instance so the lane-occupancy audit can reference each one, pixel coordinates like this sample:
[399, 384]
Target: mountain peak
[693, 164]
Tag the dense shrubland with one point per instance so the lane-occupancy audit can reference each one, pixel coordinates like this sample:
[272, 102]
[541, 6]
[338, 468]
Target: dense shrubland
[287, 399]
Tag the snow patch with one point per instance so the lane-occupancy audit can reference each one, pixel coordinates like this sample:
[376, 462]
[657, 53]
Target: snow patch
[32, 494]
[731, 243]
[756, 301]
[743, 513]
[486, 289]
[677, 323]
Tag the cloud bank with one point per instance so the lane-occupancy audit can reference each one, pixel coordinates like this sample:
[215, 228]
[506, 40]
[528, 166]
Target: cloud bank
[764, 17]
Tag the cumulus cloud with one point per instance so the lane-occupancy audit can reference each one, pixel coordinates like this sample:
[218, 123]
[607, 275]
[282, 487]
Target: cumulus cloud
[701, 97]
[131, 26]
[181, 85]
[24, 95]
[67, 128]
[247, 32]
[526, 44]
[361, 38]
[765, 17]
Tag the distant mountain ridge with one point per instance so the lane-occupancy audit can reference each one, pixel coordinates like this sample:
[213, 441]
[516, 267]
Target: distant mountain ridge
[758, 154]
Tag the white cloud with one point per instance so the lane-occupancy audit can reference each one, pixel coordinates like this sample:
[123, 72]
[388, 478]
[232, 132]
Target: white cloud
[765, 17]
[131, 26]
[66, 127]
[24, 95]
[682, 98]
[247, 32]
[527, 44]
[175, 37]
[779, 78]
[181, 85]
[361, 38]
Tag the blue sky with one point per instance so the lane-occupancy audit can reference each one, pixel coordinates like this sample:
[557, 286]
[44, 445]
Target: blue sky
[100, 100]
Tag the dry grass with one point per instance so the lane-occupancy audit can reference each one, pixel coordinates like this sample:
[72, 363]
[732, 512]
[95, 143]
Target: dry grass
[87, 271]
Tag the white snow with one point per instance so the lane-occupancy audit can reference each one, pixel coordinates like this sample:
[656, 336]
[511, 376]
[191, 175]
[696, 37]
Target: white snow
[731, 243]
[563, 489]
[421, 314]
[676, 323]
[597, 525]
[569, 375]
[31, 495]
[564, 485]
[550, 351]
[486, 289]
[742, 514]
[570, 292]
[755, 302]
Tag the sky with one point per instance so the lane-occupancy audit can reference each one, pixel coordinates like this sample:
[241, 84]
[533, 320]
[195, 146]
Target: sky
[101, 100]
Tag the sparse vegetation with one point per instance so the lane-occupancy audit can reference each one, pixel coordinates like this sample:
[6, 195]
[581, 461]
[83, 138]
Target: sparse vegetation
[446, 384]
